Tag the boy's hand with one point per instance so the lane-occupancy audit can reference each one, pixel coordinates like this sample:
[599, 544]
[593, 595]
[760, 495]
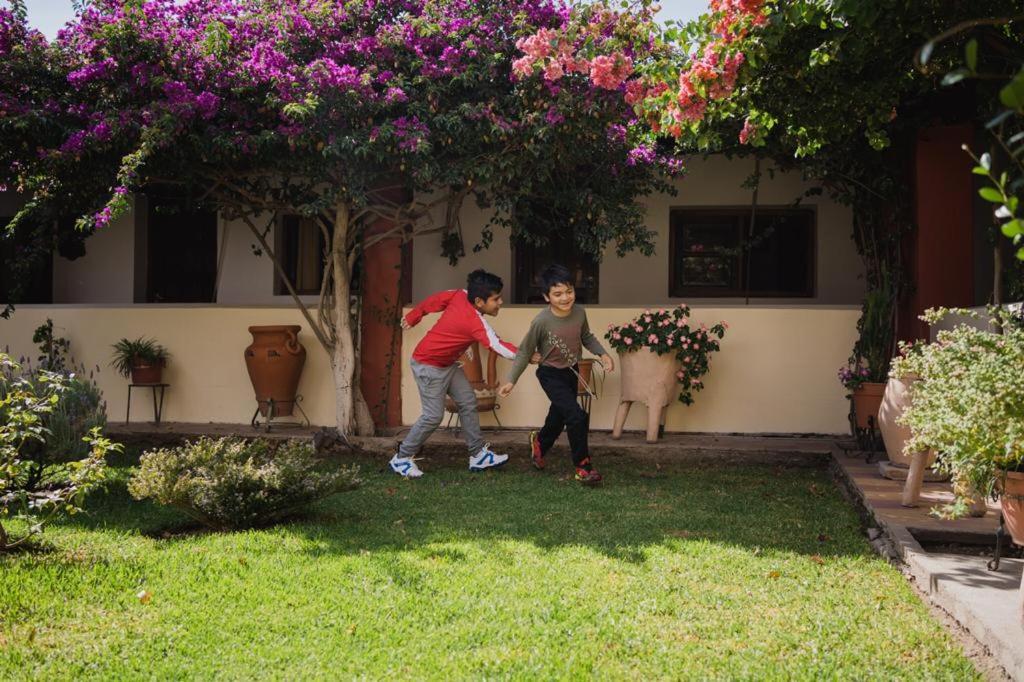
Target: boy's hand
[607, 363]
[405, 323]
[535, 358]
[506, 390]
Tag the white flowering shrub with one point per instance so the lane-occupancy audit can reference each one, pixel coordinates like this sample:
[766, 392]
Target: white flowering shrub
[231, 483]
[969, 402]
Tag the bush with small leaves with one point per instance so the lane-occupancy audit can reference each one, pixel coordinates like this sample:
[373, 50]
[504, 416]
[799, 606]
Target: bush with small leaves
[231, 483]
[26, 405]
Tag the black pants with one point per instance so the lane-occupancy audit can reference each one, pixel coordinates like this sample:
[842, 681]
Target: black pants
[560, 385]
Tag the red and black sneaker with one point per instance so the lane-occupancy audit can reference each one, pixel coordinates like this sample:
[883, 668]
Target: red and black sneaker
[536, 454]
[588, 476]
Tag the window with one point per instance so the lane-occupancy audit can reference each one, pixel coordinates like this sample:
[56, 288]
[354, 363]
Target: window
[299, 244]
[182, 253]
[714, 253]
[531, 260]
[27, 276]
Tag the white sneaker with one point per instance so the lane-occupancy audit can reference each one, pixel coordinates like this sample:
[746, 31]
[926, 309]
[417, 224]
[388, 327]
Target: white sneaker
[405, 467]
[486, 459]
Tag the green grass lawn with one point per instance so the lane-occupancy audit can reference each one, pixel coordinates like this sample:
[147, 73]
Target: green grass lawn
[679, 572]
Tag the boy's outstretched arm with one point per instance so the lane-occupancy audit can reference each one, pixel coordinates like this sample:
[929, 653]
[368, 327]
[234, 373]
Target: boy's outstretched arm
[434, 303]
[487, 338]
[591, 343]
[524, 356]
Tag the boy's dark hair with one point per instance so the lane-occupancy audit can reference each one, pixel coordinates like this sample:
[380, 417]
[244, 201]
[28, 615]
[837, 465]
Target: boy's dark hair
[555, 274]
[482, 284]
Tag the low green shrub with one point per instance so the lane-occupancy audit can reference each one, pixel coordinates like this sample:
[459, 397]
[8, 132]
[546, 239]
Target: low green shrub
[232, 483]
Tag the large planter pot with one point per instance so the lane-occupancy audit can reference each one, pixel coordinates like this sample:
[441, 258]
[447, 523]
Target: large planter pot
[145, 373]
[651, 379]
[275, 360]
[1011, 499]
[867, 399]
[895, 400]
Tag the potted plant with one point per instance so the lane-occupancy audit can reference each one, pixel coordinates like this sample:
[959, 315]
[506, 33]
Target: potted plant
[141, 359]
[968, 404]
[663, 355]
[865, 393]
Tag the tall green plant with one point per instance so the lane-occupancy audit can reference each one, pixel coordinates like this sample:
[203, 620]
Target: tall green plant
[25, 407]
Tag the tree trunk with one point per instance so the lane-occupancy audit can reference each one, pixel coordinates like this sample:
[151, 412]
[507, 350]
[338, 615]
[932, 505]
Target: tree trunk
[347, 393]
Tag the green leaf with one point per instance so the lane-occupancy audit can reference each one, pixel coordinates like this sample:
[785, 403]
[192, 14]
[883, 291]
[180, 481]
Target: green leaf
[1012, 228]
[1020, 253]
[971, 51]
[978, 170]
[926, 51]
[955, 76]
[991, 194]
[999, 118]
[1012, 95]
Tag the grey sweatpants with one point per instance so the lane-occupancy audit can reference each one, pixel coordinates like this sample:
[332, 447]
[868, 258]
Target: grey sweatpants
[434, 383]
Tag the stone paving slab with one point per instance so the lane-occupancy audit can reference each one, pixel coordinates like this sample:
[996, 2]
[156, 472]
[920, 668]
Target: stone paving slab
[986, 603]
[697, 448]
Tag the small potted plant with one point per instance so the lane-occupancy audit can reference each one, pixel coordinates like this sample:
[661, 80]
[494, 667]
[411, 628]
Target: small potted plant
[141, 359]
[968, 404]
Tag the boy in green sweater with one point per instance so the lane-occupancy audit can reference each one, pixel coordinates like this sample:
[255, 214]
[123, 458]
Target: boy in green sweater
[556, 336]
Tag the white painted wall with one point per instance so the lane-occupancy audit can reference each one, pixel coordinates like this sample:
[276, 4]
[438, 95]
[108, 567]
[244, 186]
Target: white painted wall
[108, 271]
[636, 279]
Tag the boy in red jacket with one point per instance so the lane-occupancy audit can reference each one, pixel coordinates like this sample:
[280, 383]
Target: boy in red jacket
[437, 373]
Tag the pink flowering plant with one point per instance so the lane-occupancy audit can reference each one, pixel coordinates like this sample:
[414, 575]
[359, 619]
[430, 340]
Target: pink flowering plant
[375, 119]
[667, 331]
[852, 376]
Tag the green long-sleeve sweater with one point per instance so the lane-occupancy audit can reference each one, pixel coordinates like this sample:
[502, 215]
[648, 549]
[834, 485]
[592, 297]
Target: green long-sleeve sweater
[557, 339]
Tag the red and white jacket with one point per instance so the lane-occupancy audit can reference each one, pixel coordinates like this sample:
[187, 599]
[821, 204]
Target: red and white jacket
[460, 325]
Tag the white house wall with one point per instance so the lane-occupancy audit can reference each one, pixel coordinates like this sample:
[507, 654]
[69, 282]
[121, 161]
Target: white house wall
[106, 273]
[644, 280]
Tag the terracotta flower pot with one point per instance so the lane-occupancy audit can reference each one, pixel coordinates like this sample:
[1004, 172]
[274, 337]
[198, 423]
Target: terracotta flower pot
[867, 399]
[275, 360]
[651, 379]
[486, 390]
[586, 368]
[145, 373]
[1011, 499]
[895, 399]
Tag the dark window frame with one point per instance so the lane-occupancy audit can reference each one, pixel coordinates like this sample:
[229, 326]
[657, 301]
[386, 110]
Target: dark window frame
[283, 249]
[158, 274]
[534, 258]
[741, 215]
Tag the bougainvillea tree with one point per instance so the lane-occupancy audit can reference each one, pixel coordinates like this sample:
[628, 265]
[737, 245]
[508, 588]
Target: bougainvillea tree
[825, 87]
[351, 113]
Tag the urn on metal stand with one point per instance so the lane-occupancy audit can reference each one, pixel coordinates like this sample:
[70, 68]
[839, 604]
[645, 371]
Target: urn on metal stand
[275, 359]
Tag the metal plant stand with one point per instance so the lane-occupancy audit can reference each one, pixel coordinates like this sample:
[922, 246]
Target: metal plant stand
[454, 417]
[869, 440]
[271, 407]
[158, 407]
[1003, 543]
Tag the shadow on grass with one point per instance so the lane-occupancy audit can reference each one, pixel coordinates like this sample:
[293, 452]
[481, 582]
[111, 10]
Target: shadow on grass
[761, 508]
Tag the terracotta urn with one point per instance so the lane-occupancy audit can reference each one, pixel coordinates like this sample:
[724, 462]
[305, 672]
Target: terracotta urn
[895, 399]
[486, 389]
[867, 399]
[586, 371]
[1011, 499]
[275, 360]
[651, 379]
